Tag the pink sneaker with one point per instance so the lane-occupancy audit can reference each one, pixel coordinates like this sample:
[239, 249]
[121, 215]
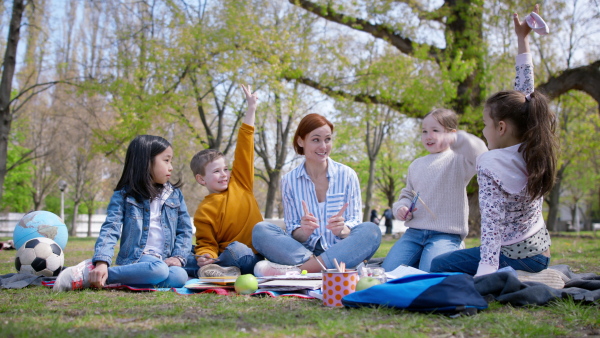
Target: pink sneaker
[74, 277]
[267, 268]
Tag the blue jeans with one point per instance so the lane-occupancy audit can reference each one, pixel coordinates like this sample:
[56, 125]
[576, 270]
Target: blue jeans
[417, 248]
[235, 254]
[279, 247]
[467, 261]
[148, 271]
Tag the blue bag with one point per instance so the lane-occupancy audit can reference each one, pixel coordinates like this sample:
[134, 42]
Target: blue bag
[448, 293]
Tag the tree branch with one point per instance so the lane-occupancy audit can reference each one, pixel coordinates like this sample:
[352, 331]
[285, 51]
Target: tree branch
[380, 31]
[584, 78]
[360, 97]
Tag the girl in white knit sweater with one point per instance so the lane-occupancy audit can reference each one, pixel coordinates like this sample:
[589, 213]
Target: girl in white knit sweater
[440, 179]
[513, 177]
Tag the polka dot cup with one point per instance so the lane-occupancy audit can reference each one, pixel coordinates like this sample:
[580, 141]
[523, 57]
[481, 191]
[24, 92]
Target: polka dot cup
[336, 285]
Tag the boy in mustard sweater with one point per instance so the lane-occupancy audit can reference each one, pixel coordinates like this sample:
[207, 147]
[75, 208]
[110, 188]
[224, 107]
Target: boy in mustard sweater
[225, 218]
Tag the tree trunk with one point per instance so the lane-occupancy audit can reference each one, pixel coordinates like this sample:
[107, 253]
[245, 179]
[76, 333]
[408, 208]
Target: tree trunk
[369, 192]
[263, 150]
[8, 72]
[38, 202]
[553, 200]
[89, 227]
[274, 181]
[73, 230]
[474, 214]
[464, 37]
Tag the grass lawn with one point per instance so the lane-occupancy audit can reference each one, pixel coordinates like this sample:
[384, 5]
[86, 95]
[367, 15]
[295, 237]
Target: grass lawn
[37, 311]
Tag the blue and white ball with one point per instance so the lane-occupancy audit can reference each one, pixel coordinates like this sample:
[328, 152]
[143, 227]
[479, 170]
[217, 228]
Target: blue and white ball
[40, 256]
[41, 224]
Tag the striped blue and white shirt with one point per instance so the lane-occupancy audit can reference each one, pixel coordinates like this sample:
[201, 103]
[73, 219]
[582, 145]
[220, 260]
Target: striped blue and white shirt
[296, 186]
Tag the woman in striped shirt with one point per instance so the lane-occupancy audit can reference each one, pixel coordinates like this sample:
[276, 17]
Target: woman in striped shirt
[322, 208]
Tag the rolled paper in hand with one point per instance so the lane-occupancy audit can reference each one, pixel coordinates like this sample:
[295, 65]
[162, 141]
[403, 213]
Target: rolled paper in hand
[537, 24]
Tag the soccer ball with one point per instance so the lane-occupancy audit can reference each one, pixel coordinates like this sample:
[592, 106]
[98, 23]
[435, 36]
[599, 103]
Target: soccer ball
[40, 256]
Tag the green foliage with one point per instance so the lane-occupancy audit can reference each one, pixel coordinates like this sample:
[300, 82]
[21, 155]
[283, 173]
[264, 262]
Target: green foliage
[579, 135]
[52, 204]
[17, 183]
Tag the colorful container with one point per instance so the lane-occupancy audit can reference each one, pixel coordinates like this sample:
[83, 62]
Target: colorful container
[338, 284]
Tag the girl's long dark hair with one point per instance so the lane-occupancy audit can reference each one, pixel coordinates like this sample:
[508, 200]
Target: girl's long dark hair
[535, 126]
[136, 177]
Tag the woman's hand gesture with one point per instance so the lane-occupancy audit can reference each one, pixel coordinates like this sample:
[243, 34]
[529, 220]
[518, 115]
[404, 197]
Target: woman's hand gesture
[336, 223]
[308, 222]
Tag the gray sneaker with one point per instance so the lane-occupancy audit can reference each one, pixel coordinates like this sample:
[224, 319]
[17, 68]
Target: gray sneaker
[74, 277]
[214, 270]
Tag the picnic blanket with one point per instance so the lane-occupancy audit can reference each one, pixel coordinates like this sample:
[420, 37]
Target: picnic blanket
[505, 288]
[19, 280]
[49, 282]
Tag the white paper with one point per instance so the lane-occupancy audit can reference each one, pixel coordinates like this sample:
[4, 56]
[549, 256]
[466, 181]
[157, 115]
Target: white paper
[305, 283]
[403, 270]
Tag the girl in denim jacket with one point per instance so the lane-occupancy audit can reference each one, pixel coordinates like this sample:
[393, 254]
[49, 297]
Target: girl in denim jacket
[150, 217]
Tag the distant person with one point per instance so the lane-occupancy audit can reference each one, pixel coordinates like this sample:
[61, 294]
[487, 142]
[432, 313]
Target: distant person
[149, 216]
[389, 221]
[441, 179]
[225, 217]
[322, 207]
[513, 178]
[374, 217]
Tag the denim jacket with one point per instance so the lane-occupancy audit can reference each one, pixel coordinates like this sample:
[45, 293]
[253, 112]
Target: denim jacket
[129, 220]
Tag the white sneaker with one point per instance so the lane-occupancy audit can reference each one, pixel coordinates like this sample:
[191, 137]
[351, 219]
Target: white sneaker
[74, 277]
[214, 270]
[267, 268]
[549, 277]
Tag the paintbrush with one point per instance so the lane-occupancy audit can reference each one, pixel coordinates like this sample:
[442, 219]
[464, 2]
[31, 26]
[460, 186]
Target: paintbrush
[321, 264]
[337, 265]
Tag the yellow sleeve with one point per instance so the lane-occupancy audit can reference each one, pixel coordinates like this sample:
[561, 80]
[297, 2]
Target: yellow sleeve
[243, 162]
[206, 241]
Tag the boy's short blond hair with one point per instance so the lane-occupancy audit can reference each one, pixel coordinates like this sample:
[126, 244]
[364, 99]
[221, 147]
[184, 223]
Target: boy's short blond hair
[202, 159]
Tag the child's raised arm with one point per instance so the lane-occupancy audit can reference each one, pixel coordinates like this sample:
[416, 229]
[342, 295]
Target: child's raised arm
[524, 81]
[522, 30]
[252, 99]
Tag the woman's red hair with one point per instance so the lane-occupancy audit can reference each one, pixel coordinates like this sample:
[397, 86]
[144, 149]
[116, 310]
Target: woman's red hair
[309, 123]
